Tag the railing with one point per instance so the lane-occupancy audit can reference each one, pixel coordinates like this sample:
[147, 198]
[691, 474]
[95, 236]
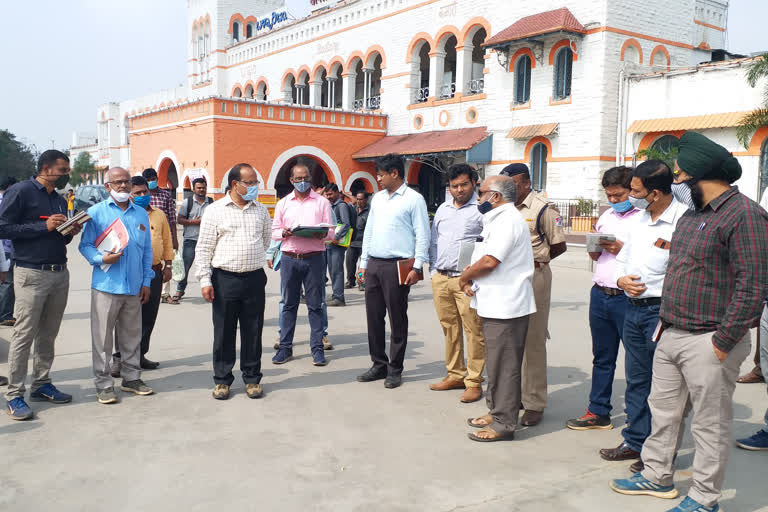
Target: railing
[577, 215]
[421, 95]
[374, 103]
[448, 90]
[476, 86]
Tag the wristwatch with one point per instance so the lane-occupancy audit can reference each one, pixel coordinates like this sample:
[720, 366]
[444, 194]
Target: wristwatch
[419, 271]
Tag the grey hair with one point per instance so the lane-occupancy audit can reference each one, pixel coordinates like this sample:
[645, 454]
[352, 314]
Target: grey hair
[506, 187]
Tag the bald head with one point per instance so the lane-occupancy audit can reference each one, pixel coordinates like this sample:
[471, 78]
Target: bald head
[118, 180]
[118, 173]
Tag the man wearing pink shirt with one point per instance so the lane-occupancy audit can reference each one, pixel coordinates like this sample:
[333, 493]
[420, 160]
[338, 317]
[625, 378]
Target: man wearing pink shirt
[303, 262]
[607, 303]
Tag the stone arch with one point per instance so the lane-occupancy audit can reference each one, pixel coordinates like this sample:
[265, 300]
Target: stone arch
[417, 41]
[443, 35]
[472, 26]
[331, 168]
[519, 53]
[352, 61]
[563, 43]
[659, 50]
[636, 45]
[370, 56]
[370, 181]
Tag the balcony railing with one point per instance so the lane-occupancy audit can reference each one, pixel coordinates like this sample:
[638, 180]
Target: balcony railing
[448, 90]
[476, 86]
[421, 95]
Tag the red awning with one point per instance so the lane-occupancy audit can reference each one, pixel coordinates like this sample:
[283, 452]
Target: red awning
[424, 143]
[559, 20]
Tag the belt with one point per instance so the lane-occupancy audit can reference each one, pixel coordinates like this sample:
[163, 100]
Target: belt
[448, 273]
[539, 264]
[650, 301]
[302, 255]
[55, 267]
[609, 291]
[157, 267]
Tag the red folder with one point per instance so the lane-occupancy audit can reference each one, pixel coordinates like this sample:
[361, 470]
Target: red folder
[403, 269]
[113, 239]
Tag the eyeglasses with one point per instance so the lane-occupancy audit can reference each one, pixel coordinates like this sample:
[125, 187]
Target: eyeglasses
[249, 183]
[119, 183]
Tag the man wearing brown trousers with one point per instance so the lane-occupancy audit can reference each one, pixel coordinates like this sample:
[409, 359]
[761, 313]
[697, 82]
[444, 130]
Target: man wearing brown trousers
[456, 225]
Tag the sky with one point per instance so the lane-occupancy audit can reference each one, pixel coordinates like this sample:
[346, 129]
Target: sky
[62, 59]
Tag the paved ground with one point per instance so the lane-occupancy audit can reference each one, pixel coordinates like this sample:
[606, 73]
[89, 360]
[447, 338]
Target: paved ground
[319, 440]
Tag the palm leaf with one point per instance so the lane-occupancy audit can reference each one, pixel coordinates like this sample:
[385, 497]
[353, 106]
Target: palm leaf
[750, 123]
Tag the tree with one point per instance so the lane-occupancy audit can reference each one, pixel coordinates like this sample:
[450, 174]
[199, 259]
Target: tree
[16, 159]
[758, 118]
[82, 170]
[666, 155]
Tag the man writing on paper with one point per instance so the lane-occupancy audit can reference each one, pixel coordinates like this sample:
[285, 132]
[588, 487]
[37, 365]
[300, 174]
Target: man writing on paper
[397, 229]
[456, 223]
[303, 261]
[500, 284]
[119, 285]
[162, 257]
[335, 252]
[29, 215]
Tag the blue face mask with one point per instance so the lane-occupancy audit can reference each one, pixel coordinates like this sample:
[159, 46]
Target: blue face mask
[302, 186]
[622, 207]
[141, 201]
[152, 185]
[251, 194]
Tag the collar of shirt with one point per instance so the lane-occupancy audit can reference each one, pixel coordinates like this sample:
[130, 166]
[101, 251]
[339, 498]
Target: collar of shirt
[668, 216]
[528, 201]
[720, 200]
[472, 202]
[400, 191]
[491, 215]
[227, 201]
[111, 200]
[311, 197]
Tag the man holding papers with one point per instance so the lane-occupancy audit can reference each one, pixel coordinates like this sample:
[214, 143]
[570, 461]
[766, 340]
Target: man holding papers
[303, 260]
[118, 243]
[334, 251]
[456, 224]
[397, 229]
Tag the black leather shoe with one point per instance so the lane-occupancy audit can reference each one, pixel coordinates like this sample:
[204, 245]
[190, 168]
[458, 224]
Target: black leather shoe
[146, 364]
[621, 452]
[393, 381]
[371, 375]
[637, 466]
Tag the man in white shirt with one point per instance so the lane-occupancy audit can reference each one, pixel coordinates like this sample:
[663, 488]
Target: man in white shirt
[640, 269]
[231, 253]
[500, 282]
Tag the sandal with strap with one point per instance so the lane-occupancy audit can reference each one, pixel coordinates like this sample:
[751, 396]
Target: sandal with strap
[172, 300]
[497, 437]
[487, 419]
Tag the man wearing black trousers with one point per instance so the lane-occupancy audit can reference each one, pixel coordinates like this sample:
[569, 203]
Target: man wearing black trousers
[397, 229]
[231, 253]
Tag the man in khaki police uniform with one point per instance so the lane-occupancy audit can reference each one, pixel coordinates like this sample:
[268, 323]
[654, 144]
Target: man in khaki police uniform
[548, 243]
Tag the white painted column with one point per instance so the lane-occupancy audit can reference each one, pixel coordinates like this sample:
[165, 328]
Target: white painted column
[348, 93]
[366, 87]
[315, 93]
[436, 67]
[463, 68]
[332, 91]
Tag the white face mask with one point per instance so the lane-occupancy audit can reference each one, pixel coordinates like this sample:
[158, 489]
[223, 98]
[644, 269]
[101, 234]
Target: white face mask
[120, 197]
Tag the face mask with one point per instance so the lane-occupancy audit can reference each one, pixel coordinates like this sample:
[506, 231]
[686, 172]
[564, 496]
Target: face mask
[302, 186]
[141, 201]
[682, 192]
[152, 185]
[622, 207]
[62, 181]
[251, 194]
[120, 197]
[641, 203]
[485, 207]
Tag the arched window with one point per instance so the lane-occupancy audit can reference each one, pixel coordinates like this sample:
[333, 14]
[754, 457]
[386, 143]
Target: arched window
[238, 93]
[539, 166]
[763, 168]
[563, 74]
[523, 79]
[249, 31]
[235, 32]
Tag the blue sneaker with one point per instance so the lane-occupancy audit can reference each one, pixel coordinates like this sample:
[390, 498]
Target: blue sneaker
[18, 409]
[283, 356]
[641, 485]
[49, 393]
[318, 358]
[756, 443]
[691, 505]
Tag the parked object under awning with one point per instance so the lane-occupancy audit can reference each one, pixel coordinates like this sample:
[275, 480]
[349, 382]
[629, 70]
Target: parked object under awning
[671, 124]
[550, 22]
[430, 143]
[533, 130]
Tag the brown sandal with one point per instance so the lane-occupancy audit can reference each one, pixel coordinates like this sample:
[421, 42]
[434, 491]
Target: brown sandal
[498, 437]
[487, 418]
[172, 300]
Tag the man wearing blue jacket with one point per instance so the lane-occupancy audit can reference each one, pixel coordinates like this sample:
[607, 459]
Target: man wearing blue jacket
[119, 286]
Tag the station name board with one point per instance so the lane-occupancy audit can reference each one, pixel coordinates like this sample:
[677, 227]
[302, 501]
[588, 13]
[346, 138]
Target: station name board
[318, 2]
[270, 22]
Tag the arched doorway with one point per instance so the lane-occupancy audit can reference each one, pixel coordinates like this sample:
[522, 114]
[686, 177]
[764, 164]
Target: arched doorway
[317, 169]
[167, 176]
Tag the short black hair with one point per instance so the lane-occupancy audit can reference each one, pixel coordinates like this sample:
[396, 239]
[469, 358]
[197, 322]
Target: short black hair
[391, 162]
[138, 181]
[331, 187]
[364, 192]
[234, 173]
[199, 180]
[457, 170]
[655, 175]
[49, 157]
[621, 176]
[149, 173]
